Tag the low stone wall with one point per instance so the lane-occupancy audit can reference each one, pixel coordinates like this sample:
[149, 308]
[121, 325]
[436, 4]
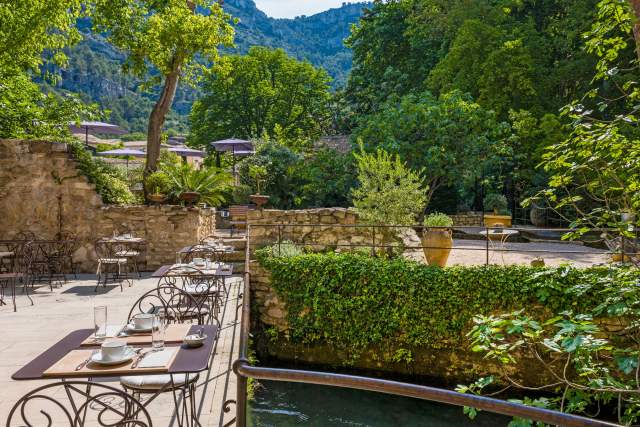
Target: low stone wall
[322, 228]
[467, 220]
[42, 191]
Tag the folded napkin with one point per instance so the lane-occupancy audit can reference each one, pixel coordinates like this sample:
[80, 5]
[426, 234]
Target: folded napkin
[158, 359]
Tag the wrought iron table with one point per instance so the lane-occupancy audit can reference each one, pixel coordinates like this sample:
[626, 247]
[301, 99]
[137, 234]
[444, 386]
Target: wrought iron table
[187, 361]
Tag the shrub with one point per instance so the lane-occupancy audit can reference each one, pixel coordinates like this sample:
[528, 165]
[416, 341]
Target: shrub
[389, 192]
[496, 202]
[284, 249]
[158, 183]
[211, 183]
[438, 219]
[353, 302]
[110, 182]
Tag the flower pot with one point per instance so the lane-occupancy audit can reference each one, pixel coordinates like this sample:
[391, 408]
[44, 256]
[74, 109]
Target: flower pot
[437, 246]
[259, 200]
[156, 198]
[491, 220]
[189, 197]
[617, 257]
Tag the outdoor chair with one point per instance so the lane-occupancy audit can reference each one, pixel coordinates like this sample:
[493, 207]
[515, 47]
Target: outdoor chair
[78, 403]
[68, 248]
[131, 253]
[109, 264]
[178, 307]
[238, 217]
[204, 290]
[20, 274]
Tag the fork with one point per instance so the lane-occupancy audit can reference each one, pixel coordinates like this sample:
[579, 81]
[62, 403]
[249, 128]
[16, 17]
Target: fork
[86, 362]
[139, 358]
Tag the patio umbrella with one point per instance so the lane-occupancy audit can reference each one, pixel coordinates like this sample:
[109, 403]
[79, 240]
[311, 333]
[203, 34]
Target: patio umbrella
[184, 151]
[96, 127]
[235, 146]
[123, 152]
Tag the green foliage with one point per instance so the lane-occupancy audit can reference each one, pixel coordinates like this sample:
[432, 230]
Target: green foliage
[284, 249]
[258, 174]
[595, 173]
[321, 178]
[389, 193]
[437, 219]
[158, 183]
[212, 184]
[453, 138]
[262, 93]
[496, 202]
[111, 182]
[356, 302]
[165, 34]
[588, 365]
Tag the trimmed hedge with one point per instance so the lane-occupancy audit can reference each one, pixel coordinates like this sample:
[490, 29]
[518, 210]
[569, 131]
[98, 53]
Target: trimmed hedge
[354, 301]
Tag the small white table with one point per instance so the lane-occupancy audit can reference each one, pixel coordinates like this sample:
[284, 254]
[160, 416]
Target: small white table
[498, 238]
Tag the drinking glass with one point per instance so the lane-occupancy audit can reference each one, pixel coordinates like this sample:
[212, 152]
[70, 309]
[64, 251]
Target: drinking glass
[100, 322]
[157, 332]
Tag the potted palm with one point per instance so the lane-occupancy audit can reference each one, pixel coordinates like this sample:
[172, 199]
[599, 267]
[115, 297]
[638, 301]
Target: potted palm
[157, 185]
[437, 238]
[258, 174]
[191, 185]
[499, 214]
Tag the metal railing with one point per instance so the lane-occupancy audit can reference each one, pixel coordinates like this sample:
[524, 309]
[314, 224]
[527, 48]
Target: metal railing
[244, 370]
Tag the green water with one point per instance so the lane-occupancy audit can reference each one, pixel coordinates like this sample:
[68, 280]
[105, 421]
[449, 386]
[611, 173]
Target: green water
[289, 404]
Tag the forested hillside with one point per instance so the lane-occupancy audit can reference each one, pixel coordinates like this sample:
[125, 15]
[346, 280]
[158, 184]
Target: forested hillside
[95, 73]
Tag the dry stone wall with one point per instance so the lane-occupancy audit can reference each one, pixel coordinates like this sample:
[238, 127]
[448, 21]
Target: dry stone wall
[467, 220]
[42, 191]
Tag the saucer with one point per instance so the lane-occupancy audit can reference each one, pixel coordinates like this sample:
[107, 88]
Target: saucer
[131, 328]
[128, 355]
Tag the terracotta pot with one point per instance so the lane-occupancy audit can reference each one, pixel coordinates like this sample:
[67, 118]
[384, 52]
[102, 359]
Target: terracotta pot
[259, 200]
[190, 197]
[491, 220]
[157, 198]
[617, 257]
[437, 246]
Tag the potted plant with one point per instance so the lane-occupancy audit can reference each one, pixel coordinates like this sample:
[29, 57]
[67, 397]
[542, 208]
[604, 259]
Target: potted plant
[258, 174]
[437, 238]
[191, 185]
[499, 214]
[157, 185]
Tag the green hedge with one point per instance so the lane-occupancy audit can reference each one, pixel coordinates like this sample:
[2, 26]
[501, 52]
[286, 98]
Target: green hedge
[353, 301]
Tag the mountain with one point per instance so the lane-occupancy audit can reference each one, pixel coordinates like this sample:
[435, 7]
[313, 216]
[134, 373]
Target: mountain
[94, 69]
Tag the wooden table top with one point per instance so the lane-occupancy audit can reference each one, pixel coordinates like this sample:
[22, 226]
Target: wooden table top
[186, 360]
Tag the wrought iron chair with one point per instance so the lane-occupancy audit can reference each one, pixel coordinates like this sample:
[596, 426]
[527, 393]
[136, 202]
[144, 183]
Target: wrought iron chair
[78, 403]
[178, 307]
[21, 273]
[69, 245]
[204, 289]
[109, 263]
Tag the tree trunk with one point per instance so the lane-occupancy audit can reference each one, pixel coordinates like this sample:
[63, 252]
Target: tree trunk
[158, 116]
[635, 5]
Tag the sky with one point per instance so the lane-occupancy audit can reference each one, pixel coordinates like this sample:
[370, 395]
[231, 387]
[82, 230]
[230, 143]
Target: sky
[293, 8]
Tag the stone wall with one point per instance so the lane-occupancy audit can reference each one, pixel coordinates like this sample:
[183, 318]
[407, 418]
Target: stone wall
[467, 220]
[42, 191]
[321, 228]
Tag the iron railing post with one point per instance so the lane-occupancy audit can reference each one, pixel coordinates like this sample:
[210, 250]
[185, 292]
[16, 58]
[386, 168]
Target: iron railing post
[486, 230]
[373, 241]
[279, 239]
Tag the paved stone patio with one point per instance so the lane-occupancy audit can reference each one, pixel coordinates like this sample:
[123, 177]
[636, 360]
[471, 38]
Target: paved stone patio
[32, 329]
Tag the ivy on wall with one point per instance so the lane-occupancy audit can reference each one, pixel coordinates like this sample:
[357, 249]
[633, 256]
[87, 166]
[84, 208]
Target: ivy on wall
[353, 302]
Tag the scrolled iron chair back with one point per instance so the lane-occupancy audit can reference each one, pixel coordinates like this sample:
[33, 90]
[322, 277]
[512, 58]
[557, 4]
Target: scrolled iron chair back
[176, 304]
[83, 402]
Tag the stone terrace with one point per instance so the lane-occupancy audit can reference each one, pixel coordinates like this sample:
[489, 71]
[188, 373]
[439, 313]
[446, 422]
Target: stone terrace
[32, 329]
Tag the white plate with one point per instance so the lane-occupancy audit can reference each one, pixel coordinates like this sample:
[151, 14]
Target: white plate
[97, 358]
[131, 328]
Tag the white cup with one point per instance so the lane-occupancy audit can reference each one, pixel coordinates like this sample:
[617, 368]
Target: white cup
[143, 321]
[113, 349]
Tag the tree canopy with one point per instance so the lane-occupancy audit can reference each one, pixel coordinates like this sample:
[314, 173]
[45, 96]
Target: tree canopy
[263, 92]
